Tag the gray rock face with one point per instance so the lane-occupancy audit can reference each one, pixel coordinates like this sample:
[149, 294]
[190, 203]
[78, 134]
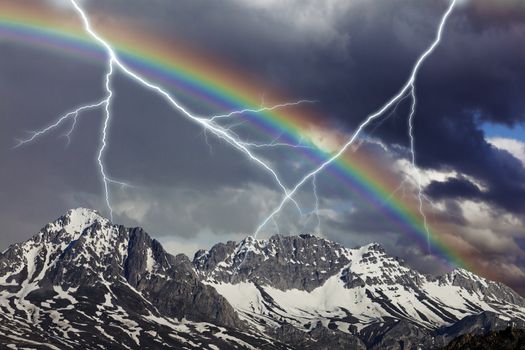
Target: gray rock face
[302, 262]
[396, 334]
[83, 282]
[320, 338]
[473, 284]
[479, 324]
[507, 339]
[287, 285]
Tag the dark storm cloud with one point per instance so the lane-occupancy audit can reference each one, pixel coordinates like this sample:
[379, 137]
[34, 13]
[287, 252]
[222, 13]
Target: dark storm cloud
[350, 55]
[453, 188]
[149, 146]
[38, 88]
[443, 145]
[476, 76]
[354, 60]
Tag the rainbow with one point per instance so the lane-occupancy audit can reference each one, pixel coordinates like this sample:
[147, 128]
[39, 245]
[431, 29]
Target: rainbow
[220, 87]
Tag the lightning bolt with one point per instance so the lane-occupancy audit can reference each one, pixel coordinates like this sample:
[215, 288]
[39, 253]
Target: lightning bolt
[316, 208]
[70, 115]
[413, 159]
[390, 115]
[103, 140]
[262, 109]
[68, 134]
[208, 124]
[408, 87]
[275, 143]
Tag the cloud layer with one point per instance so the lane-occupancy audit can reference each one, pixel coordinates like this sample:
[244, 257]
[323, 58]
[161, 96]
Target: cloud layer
[350, 56]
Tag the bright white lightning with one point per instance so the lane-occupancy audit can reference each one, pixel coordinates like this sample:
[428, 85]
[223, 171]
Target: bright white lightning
[274, 144]
[68, 134]
[70, 115]
[407, 87]
[262, 109]
[316, 208]
[103, 140]
[391, 114]
[413, 156]
[208, 124]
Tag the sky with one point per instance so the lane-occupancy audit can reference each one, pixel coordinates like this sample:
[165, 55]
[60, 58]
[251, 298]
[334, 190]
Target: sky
[190, 190]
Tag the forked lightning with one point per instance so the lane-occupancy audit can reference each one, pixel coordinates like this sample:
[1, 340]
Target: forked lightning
[208, 123]
[408, 87]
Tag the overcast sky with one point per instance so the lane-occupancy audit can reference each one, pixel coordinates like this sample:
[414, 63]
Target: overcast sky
[348, 55]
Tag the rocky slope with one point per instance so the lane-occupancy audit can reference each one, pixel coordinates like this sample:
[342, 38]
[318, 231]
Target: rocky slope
[83, 282]
[303, 282]
[507, 339]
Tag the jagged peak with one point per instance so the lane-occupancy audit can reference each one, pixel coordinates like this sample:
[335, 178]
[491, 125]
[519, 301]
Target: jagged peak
[459, 271]
[280, 237]
[82, 214]
[76, 220]
[271, 246]
[69, 226]
[374, 246]
[460, 275]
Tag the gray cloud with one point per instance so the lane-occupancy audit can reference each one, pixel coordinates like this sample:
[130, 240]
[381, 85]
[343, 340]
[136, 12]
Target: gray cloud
[349, 55]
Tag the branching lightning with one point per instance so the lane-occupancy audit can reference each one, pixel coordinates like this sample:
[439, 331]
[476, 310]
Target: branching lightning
[388, 116]
[103, 140]
[316, 208]
[73, 115]
[68, 134]
[413, 156]
[208, 124]
[262, 109]
[226, 134]
[408, 87]
[274, 144]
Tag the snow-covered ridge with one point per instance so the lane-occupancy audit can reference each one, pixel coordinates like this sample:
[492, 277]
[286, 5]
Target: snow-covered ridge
[81, 269]
[81, 275]
[41, 251]
[369, 288]
[76, 220]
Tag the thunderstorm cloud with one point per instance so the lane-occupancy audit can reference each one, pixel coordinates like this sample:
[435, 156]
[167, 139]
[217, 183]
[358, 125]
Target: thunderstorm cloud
[349, 56]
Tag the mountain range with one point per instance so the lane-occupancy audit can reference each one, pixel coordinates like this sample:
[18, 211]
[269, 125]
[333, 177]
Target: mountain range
[84, 282]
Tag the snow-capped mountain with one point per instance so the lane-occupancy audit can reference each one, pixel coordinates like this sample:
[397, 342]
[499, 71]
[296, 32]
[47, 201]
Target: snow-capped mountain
[83, 282]
[303, 282]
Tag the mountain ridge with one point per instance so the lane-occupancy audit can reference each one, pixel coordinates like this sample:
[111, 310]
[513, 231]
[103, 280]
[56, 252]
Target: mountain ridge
[83, 281]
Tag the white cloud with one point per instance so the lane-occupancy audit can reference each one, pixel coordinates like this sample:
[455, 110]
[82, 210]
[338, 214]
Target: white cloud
[514, 147]
[488, 241]
[318, 19]
[483, 215]
[133, 209]
[404, 167]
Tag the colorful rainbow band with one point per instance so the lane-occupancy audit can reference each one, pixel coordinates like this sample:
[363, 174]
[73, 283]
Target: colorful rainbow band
[219, 91]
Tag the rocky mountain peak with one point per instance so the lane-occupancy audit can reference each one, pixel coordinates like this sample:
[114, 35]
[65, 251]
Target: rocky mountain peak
[302, 290]
[375, 247]
[84, 252]
[76, 220]
[309, 290]
[476, 285]
[286, 262]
